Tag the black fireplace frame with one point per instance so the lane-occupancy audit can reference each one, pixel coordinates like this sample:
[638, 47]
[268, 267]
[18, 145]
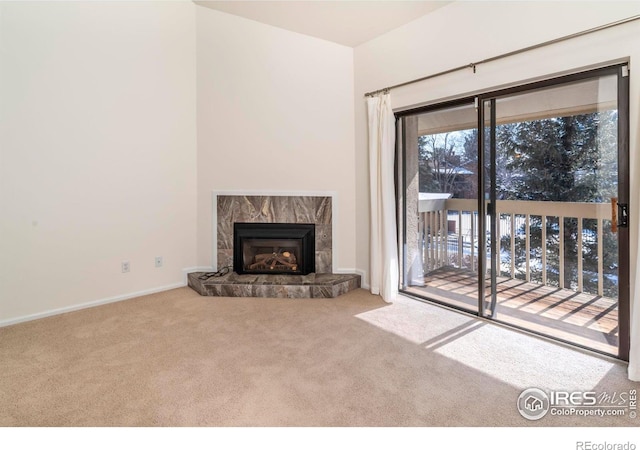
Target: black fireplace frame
[306, 232]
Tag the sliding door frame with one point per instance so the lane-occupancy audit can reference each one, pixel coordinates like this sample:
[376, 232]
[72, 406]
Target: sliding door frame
[488, 208]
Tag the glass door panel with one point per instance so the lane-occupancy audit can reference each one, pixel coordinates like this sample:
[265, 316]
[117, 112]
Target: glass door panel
[555, 184]
[442, 244]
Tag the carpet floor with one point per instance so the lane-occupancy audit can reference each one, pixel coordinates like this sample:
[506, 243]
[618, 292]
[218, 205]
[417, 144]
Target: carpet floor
[178, 359]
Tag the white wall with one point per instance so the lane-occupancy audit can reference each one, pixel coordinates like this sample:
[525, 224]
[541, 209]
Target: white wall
[98, 118]
[97, 151]
[466, 32]
[275, 113]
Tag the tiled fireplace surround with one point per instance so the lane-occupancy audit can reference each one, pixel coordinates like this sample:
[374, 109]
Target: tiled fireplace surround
[271, 209]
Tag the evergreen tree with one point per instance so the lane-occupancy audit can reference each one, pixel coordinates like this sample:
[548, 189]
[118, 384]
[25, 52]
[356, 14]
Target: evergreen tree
[562, 159]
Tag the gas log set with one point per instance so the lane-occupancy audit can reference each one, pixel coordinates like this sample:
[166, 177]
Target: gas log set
[278, 260]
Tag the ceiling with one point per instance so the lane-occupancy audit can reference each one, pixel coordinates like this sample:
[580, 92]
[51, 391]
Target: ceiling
[349, 23]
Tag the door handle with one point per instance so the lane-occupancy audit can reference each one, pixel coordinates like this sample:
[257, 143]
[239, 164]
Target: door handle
[623, 215]
[619, 215]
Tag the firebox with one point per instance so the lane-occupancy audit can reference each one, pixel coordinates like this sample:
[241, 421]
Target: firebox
[274, 248]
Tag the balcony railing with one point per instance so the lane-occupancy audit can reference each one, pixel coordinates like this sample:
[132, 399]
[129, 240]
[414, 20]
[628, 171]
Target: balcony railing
[532, 241]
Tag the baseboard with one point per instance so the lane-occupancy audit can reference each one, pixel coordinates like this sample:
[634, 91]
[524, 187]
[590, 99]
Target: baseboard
[364, 278]
[362, 273]
[186, 271]
[104, 301]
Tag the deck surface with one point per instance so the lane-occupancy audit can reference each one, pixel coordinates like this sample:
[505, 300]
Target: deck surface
[584, 319]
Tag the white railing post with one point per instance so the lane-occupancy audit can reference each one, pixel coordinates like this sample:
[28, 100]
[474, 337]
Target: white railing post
[473, 234]
[422, 239]
[496, 258]
[434, 240]
[561, 251]
[527, 248]
[600, 258]
[543, 244]
[513, 245]
[445, 237]
[460, 240]
[579, 255]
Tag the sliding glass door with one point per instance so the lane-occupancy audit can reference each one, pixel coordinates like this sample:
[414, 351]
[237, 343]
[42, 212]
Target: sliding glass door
[514, 207]
[442, 227]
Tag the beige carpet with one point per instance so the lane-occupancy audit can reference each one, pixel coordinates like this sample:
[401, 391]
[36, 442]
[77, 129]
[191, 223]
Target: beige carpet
[178, 359]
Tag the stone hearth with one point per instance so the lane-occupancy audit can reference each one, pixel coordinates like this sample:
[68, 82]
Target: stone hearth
[323, 285]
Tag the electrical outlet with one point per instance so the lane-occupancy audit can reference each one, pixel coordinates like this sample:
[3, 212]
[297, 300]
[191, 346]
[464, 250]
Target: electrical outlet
[125, 266]
[158, 261]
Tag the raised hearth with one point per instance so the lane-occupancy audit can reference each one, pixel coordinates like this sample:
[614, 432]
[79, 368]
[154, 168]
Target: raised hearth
[322, 285]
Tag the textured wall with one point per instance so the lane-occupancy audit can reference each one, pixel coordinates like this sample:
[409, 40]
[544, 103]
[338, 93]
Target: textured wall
[272, 209]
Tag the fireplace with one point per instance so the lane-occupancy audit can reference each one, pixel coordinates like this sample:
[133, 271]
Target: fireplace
[274, 248]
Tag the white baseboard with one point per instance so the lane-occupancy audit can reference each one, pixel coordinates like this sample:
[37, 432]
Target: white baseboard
[188, 270]
[118, 298]
[362, 274]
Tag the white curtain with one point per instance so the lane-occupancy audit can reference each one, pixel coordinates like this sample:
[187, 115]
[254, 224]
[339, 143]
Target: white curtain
[383, 244]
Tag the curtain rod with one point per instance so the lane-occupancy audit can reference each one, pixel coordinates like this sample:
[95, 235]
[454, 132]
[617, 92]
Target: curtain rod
[504, 55]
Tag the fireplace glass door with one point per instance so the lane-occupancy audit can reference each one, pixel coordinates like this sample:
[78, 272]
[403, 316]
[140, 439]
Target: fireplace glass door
[274, 248]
